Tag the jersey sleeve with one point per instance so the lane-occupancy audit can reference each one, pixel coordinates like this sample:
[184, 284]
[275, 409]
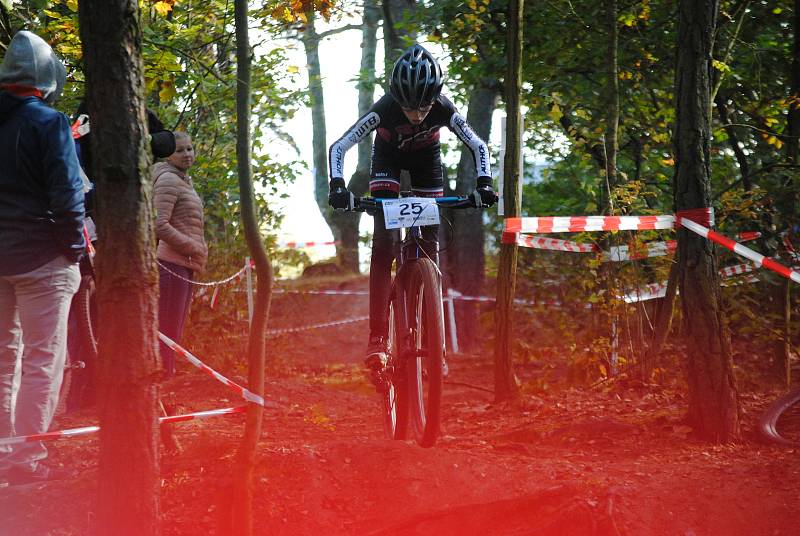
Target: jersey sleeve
[480, 151]
[360, 130]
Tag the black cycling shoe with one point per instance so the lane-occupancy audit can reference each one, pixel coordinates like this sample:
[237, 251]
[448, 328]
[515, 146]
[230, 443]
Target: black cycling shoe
[375, 361]
[377, 354]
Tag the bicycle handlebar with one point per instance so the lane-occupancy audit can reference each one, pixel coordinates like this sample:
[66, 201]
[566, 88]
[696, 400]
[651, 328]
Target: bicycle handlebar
[366, 204]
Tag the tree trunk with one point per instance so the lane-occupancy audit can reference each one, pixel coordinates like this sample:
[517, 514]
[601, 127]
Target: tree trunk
[395, 38]
[466, 256]
[241, 511]
[608, 313]
[713, 398]
[505, 385]
[127, 280]
[359, 182]
[783, 347]
[344, 232]
[311, 41]
[662, 325]
[611, 141]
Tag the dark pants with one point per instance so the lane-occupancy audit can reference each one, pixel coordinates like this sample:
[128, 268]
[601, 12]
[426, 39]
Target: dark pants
[173, 306]
[380, 269]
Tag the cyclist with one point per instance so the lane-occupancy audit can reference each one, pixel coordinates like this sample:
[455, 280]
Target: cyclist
[407, 121]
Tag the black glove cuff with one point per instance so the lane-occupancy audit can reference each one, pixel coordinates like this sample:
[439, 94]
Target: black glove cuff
[484, 181]
[337, 182]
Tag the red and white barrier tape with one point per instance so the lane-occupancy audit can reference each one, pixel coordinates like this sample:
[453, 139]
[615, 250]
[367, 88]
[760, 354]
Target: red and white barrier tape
[73, 432]
[456, 295]
[737, 269]
[757, 258]
[80, 127]
[637, 252]
[324, 292]
[614, 254]
[659, 290]
[577, 224]
[647, 292]
[243, 392]
[89, 247]
[541, 242]
[281, 331]
[299, 245]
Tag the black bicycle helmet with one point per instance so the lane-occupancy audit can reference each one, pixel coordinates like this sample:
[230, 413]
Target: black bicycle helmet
[416, 78]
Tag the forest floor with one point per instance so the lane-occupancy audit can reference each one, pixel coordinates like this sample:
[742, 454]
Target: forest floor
[615, 459]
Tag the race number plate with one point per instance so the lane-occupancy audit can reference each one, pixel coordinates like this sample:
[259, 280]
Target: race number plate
[409, 211]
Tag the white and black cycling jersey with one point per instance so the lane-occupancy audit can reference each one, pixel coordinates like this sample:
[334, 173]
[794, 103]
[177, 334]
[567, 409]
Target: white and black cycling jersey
[396, 137]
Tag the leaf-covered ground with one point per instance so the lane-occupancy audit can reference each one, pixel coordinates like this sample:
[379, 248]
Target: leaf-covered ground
[615, 459]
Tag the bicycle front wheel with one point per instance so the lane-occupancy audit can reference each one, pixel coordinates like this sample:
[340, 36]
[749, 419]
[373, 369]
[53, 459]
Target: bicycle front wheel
[426, 352]
[395, 394]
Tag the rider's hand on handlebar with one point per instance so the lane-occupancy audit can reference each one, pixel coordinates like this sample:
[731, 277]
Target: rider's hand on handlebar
[339, 197]
[484, 195]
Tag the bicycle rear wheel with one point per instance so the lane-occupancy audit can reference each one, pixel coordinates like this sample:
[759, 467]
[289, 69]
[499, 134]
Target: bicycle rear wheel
[426, 352]
[781, 421]
[395, 396]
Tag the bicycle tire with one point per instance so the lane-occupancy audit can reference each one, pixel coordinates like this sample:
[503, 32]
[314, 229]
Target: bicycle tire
[86, 324]
[426, 354]
[395, 395]
[780, 423]
[64, 390]
[83, 385]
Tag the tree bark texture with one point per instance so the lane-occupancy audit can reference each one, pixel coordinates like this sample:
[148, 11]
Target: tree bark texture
[127, 280]
[466, 257]
[612, 107]
[662, 325]
[347, 251]
[396, 36]
[311, 41]
[241, 519]
[783, 350]
[341, 227]
[505, 385]
[713, 398]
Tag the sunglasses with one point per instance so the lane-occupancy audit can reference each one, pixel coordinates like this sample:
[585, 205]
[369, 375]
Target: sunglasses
[423, 109]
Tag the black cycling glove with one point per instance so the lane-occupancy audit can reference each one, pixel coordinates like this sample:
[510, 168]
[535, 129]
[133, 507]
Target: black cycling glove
[484, 195]
[339, 197]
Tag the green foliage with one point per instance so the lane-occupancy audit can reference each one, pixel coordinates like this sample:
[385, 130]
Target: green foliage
[189, 70]
[190, 80]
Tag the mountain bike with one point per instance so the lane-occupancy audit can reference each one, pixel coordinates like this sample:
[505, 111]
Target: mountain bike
[411, 381]
[780, 423]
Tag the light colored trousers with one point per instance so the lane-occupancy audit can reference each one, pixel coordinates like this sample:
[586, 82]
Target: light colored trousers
[33, 337]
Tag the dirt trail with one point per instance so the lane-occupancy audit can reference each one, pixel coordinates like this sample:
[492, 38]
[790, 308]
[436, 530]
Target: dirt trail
[587, 462]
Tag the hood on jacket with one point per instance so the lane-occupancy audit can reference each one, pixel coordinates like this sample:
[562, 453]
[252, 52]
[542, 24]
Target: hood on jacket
[30, 62]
